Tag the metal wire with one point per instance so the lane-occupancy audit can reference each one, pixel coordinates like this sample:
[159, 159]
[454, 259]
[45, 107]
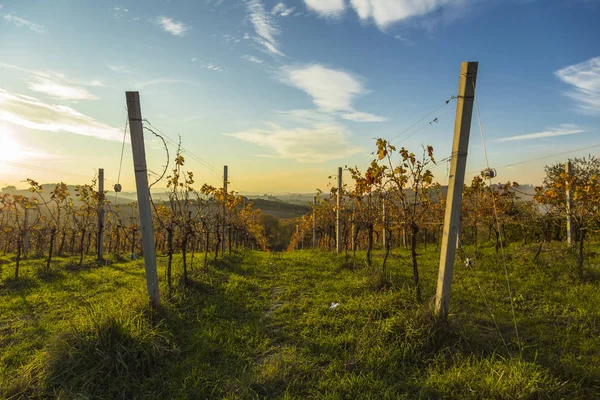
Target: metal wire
[512, 306]
[121, 160]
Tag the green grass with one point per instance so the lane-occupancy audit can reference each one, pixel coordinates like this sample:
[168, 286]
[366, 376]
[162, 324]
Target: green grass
[257, 325]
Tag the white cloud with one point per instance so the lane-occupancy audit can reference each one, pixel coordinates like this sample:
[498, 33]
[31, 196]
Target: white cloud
[382, 12]
[318, 143]
[253, 59]
[563, 129]
[282, 10]
[358, 116]
[19, 21]
[119, 12]
[332, 91]
[193, 59]
[264, 26]
[386, 12]
[404, 40]
[326, 8]
[56, 84]
[32, 113]
[169, 25]
[59, 90]
[213, 67]
[585, 79]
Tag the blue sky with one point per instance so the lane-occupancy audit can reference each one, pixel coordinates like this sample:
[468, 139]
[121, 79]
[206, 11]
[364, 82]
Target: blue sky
[284, 92]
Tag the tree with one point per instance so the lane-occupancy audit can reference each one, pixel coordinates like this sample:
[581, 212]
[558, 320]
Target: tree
[59, 199]
[411, 183]
[584, 184]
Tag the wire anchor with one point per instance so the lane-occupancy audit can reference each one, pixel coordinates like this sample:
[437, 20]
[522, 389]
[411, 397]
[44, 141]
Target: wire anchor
[489, 173]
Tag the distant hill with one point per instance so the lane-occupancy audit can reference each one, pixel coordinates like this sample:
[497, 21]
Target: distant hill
[280, 209]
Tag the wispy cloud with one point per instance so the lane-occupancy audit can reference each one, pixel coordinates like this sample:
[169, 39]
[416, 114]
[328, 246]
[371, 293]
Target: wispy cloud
[385, 13]
[164, 81]
[585, 79]
[59, 90]
[358, 116]
[563, 129]
[57, 84]
[231, 38]
[169, 25]
[253, 59]
[382, 12]
[14, 19]
[32, 113]
[332, 90]
[404, 40]
[118, 12]
[326, 8]
[312, 144]
[282, 10]
[264, 26]
[213, 67]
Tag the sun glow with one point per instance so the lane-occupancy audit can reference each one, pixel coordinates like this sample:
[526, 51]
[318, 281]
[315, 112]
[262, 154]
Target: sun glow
[10, 150]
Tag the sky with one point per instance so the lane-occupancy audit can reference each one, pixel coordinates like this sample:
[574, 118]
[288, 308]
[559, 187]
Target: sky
[284, 92]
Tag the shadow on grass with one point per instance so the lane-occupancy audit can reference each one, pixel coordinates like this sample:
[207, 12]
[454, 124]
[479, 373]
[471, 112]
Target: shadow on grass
[19, 285]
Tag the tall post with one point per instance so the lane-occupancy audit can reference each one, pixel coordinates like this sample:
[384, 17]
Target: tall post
[314, 222]
[143, 194]
[568, 170]
[338, 225]
[225, 193]
[26, 232]
[460, 146]
[297, 244]
[100, 239]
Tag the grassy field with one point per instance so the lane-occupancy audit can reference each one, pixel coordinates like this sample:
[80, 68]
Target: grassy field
[257, 325]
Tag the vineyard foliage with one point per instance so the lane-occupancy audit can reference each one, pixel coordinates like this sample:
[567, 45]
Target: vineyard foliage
[54, 221]
[304, 324]
[402, 183]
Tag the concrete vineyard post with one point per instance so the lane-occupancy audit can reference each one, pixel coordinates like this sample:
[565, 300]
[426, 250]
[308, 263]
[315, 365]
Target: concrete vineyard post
[143, 194]
[460, 145]
[314, 222]
[338, 225]
[224, 231]
[100, 240]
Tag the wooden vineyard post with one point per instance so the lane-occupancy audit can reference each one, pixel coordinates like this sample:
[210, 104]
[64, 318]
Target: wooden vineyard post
[143, 194]
[569, 172]
[100, 239]
[460, 145]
